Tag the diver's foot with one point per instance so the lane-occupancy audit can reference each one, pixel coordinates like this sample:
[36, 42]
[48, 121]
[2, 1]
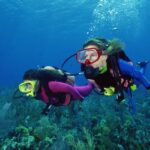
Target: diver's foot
[142, 63]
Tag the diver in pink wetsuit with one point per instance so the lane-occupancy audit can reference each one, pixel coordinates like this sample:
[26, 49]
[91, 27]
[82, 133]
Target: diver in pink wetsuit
[71, 92]
[53, 87]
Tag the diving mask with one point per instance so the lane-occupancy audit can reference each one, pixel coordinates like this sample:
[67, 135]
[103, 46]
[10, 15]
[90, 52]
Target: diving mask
[29, 87]
[88, 56]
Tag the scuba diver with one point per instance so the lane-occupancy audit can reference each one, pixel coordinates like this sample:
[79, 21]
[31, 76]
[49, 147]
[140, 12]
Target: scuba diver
[105, 64]
[53, 86]
[109, 68]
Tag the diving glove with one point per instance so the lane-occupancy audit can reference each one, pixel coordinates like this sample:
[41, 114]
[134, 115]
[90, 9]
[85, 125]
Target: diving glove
[109, 91]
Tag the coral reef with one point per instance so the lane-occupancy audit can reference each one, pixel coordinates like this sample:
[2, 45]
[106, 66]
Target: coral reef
[98, 123]
[41, 137]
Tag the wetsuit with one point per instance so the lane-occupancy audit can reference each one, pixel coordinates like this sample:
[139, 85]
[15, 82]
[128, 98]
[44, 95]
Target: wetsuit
[120, 68]
[120, 65]
[131, 71]
[54, 87]
[61, 93]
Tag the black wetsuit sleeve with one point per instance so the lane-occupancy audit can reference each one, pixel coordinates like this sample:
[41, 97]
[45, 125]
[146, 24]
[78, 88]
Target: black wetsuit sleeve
[123, 56]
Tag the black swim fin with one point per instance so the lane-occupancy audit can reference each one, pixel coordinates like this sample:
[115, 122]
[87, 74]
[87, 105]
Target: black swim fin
[142, 63]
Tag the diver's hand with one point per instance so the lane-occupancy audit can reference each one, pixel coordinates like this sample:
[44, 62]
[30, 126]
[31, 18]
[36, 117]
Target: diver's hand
[109, 91]
[95, 85]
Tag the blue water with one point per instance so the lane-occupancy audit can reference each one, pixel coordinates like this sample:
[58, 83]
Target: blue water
[44, 32]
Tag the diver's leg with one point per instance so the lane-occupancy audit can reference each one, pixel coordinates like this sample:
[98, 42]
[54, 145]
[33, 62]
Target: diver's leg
[142, 65]
[131, 101]
[130, 70]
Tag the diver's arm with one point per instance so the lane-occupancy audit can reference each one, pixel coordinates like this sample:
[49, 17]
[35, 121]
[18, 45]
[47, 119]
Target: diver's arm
[95, 85]
[77, 92]
[130, 70]
[60, 87]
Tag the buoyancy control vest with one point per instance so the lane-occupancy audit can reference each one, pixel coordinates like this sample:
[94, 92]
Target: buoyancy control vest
[112, 77]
